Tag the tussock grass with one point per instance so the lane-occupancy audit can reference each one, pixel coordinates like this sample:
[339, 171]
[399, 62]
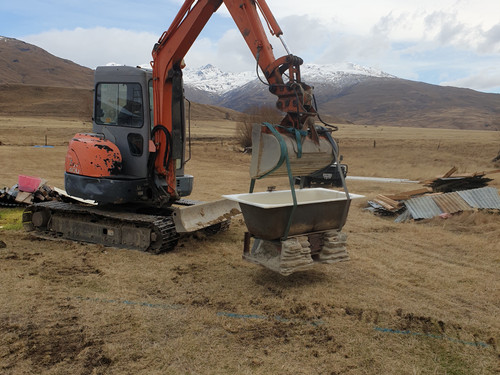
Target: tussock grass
[481, 222]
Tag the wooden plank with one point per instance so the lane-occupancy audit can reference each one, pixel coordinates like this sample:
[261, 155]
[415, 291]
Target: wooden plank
[469, 175]
[387, 203]
[450, 172]
[24, 197]
[409, 194]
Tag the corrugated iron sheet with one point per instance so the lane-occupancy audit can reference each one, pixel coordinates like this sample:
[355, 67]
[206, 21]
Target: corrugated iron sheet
[423, 207]
[451, 203]
[429, 206]
[486, 197]
[405, 216]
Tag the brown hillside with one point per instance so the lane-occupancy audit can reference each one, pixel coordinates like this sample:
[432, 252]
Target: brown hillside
[45, 101]
[35, 83]
[401, 102]
[28, 64]
[211, 112]
[76, 103]
[384, 101]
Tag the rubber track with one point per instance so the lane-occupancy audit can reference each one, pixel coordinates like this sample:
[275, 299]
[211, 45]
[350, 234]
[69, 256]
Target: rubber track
[163, 226]
[169, 236]
[10, 205]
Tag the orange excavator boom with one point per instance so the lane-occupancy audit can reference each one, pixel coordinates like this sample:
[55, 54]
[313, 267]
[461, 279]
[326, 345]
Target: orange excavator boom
[294, 97]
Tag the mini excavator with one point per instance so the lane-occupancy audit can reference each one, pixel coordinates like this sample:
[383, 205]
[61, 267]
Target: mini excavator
[132, 164]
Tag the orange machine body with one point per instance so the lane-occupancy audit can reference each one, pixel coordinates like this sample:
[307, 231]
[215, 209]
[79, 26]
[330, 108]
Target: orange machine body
[93, 156]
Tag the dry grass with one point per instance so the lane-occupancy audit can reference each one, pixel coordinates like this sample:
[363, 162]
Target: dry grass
[419, 298]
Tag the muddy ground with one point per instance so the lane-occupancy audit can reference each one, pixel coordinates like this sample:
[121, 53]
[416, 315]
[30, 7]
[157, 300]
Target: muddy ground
[415, 298]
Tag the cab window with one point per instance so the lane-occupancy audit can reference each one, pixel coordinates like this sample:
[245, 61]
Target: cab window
[119, 104]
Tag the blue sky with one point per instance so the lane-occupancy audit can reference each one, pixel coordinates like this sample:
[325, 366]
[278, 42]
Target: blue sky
[446, 42]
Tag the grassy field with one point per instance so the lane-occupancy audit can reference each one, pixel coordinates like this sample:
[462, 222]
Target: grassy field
[415, 298]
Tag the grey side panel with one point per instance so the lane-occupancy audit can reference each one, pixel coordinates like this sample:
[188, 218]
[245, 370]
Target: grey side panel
[104, 190]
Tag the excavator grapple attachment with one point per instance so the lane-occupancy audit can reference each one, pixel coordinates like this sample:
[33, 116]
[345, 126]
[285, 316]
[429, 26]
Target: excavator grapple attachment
[305, 155]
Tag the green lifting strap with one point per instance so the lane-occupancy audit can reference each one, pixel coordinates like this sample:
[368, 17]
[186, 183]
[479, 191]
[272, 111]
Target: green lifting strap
[252, 185]
[283, 154]
[283, 157]
[339, 169]
[298, 137]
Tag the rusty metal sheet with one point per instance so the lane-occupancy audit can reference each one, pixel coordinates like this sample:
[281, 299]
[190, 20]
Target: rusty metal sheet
[486, 197]
[451, 203]
[426, 207]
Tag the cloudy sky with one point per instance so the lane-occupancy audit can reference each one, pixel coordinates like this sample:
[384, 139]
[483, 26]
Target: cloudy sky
[445, 42]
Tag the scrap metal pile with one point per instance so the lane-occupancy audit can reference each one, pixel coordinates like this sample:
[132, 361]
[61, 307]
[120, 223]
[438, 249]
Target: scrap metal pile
[442, 196]
[28, 190]
[451, 182]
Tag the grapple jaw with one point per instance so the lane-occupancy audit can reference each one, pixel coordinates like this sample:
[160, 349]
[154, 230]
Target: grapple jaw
[304, 153]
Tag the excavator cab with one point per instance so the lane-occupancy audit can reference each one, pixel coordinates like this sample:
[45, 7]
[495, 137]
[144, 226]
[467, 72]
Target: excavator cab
[114, 163]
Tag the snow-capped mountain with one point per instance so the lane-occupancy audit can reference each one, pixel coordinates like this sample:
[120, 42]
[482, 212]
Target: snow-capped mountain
[332, 72]
[213, 80]
[240, 91]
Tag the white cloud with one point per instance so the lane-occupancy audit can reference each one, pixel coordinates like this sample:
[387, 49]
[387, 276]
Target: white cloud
[446, 41]
[486, 79]
[97, 46]
[201, 53]
[491, 40]
[229, 53]
[233, 54]
[100, 46]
